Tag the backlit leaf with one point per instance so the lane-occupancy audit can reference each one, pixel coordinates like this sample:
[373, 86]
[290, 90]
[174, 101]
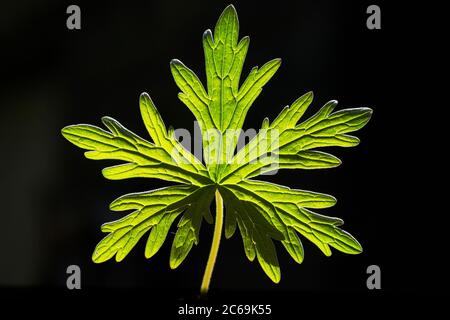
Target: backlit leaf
[263, 212]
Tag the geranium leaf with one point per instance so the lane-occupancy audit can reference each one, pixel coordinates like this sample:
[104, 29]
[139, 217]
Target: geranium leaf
[263, 212]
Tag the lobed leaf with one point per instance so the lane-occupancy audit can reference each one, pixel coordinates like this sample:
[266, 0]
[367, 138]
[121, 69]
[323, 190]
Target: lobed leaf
[164, 159]
[262, 212]
[224, 106]
[286, 210]
[155, 210]
[283, 144]
[256, 232]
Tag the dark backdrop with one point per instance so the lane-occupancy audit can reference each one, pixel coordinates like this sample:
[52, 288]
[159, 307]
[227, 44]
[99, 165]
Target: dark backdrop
[54, 200]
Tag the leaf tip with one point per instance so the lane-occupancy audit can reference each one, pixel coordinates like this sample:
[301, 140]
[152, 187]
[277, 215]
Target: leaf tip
[144, 96]
[369, 112]
[104, 171]
[149, 252]
[357, 247]
[96, 257]
[113, 205]
[120, 257]
[105, 228]
[95, 260]
[207, 35]
[275, 277]
[245, 39]
[230, 9]
[65, 132]
[106, 120]
[333, 201]
[173, 264]
[175, 62]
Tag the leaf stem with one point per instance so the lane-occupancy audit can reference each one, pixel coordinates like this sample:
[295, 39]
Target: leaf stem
[214, 246]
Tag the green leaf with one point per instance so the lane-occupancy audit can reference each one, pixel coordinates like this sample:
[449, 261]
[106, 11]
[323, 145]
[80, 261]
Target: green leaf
[263, 212]
[189, 226]
[164, 159]
[156, 210]
[222, 109]
[287, 210]
[257, 233]
[283, 144]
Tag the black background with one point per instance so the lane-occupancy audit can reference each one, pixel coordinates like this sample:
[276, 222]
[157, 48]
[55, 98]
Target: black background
[54, 200]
